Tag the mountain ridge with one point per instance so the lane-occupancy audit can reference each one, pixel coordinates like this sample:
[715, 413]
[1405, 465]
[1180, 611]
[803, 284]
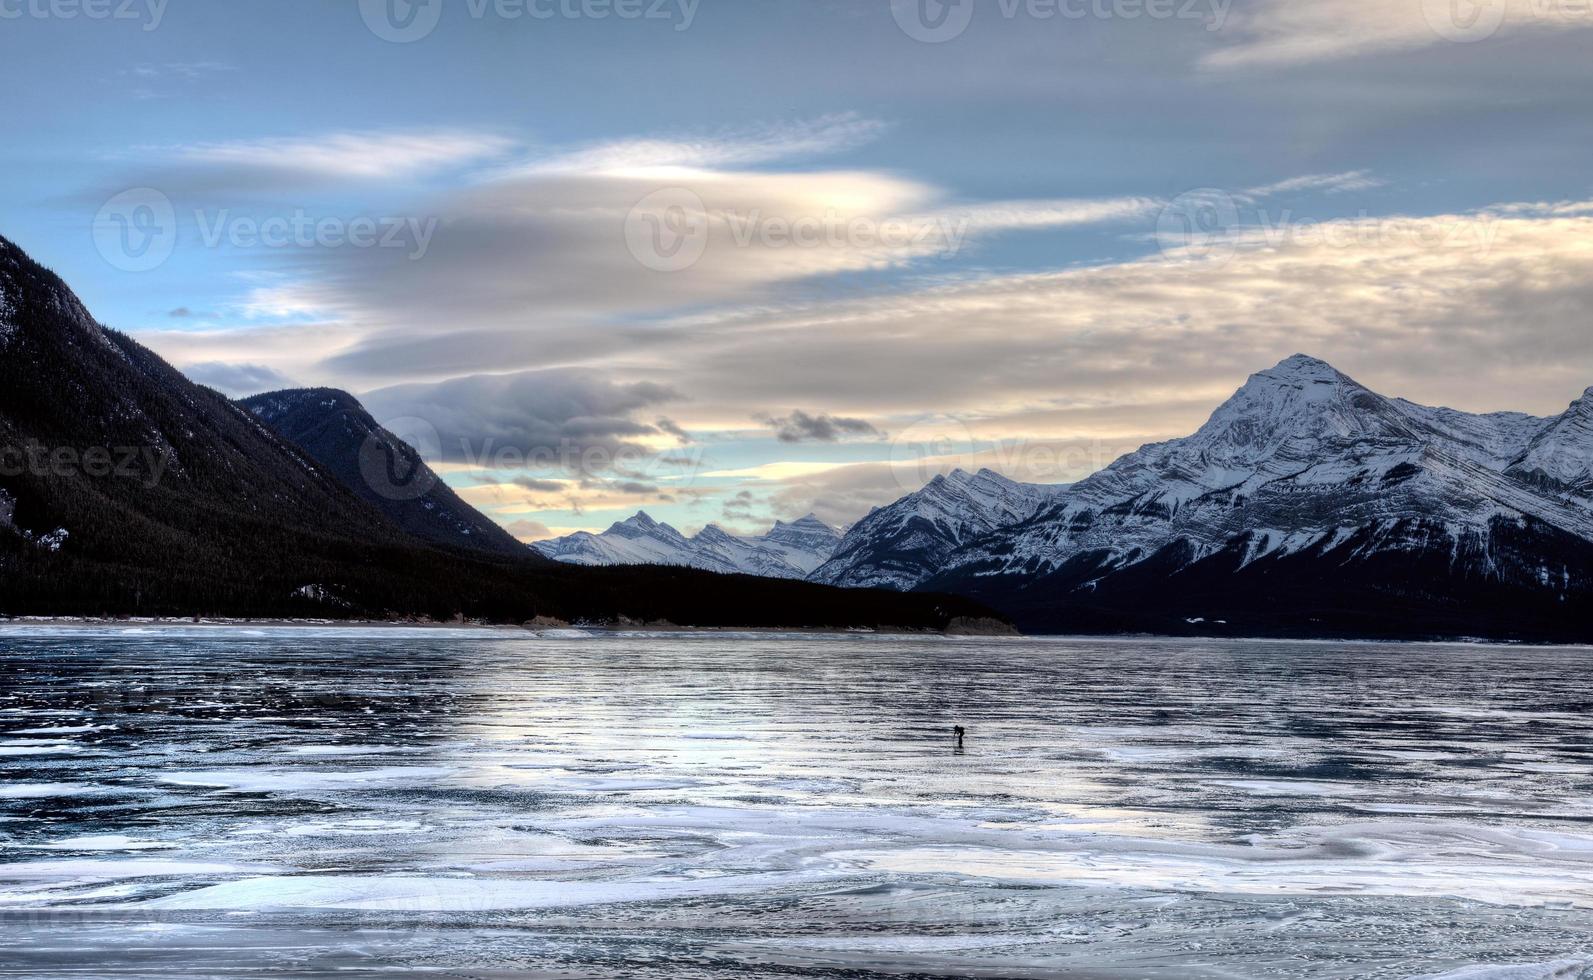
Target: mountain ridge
[789, 550]
[1305, 474]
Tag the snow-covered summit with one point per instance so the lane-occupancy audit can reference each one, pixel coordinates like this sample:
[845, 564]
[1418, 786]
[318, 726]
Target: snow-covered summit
[899, 545]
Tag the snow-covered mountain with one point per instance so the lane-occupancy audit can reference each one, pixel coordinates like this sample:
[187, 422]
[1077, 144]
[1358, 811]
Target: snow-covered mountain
[1305, 499]
[788, 551]
[899, 546]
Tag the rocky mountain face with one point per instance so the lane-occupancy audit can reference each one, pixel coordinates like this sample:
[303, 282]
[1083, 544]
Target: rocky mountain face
[1306, 504]
[334, 429]
[789, 551]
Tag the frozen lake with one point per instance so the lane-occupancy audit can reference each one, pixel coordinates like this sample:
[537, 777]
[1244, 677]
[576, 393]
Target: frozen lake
[307, 803]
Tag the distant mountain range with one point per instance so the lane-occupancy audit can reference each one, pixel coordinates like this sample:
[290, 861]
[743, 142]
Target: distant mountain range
[126, 489]
[788, 551]
[1307, 505]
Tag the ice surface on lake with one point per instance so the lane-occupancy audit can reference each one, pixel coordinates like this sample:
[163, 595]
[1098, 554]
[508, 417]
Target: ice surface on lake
[200, 801]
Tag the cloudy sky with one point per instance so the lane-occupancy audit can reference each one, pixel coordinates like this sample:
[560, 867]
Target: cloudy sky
[738, 260]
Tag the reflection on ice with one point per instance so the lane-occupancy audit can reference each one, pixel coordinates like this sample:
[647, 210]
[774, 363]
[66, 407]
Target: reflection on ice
[322, 801]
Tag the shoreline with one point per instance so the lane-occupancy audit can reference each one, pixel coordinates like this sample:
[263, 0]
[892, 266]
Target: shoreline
[544, 629]
[528, 629]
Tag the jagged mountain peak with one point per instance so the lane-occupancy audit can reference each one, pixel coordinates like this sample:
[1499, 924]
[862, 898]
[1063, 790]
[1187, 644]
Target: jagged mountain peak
[1297, 408]
[897, 545]
[806, 520]
[641, 520]
[789, 550]
[1302, 367]
[642, 524]
[961, 478]
[1304, 378]
[1561, 454]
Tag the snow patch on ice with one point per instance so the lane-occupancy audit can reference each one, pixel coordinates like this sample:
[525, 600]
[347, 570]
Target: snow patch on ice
[99, 842]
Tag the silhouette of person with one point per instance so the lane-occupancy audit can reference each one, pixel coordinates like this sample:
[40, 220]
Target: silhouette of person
[959, 731]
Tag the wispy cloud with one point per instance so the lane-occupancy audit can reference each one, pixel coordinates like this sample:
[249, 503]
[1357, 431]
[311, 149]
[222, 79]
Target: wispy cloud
[732, 148]
[186, 70]
[1340, 183]
[346, 156]
[1276, 33]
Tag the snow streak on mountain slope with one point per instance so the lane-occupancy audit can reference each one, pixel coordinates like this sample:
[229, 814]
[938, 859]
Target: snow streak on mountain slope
[7, 310]
[899, 546]
[788, 551]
